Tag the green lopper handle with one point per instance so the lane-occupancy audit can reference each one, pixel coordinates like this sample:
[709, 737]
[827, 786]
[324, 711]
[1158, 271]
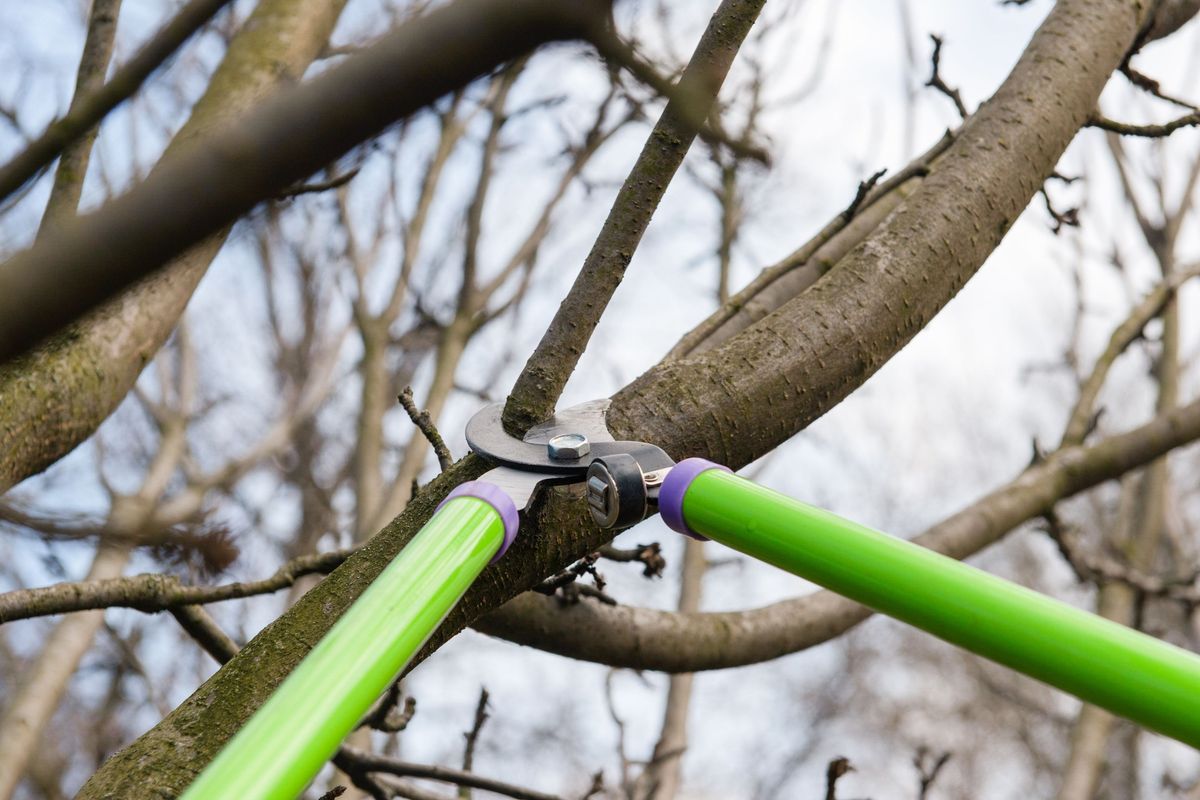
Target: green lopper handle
[291, 737]
[1136, 676]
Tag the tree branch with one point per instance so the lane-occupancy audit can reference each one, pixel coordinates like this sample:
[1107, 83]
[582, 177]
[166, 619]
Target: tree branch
[424, 423]
[1144, 131]
[1126, 333]
[89, 109]
[540, 383]
[935, 78]
[642, 638]
[155, 592]
[217, 180]
[93, 65]
[786, 279]
[372, 762]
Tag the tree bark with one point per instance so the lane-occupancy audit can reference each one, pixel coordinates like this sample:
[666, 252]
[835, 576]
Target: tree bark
[545, 374]
[790, 368]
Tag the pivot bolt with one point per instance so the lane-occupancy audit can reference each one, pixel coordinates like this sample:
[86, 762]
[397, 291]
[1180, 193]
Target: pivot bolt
[568, 447]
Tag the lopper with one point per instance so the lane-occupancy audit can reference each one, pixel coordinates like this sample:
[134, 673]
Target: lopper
[288, 740]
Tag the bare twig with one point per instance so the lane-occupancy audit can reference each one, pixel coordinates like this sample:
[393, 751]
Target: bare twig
[424, 423]
[648, 555]
[371, 762]
[1084, 413]
[1146, 131]
[694, 105]
[566, 583]
[864, 189]
[471, 737]
[1152, 87]
[1099, 569]
[334, 182]
[154, 592]
[928, 766]
[837, 768]
[204, 629]
[1060, 219]
[935, 79]
[780, 282]
[387, 715]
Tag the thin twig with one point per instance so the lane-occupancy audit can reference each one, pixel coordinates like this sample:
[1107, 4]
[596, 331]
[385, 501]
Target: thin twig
[426, 426]
[472, 737]
[1101, 569]
[567, 587]
[1084, 413]
[335, 182]
[1146, 131]
[694, 104]
[1060, 219]
[648, 555]
[154, 592]
[387, 716]
[372, 762]
[935, 79]
[833, 773]
[864, 189]
[1152, 87]
[927, 769]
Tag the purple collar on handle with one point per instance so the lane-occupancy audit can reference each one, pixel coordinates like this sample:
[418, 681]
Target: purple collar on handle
[675, 486]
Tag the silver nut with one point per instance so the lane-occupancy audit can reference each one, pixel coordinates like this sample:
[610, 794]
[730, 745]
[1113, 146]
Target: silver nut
[568, 447]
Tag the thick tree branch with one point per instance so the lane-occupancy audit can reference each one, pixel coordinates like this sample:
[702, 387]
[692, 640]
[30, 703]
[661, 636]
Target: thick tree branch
[818, 347]
[198, 192]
